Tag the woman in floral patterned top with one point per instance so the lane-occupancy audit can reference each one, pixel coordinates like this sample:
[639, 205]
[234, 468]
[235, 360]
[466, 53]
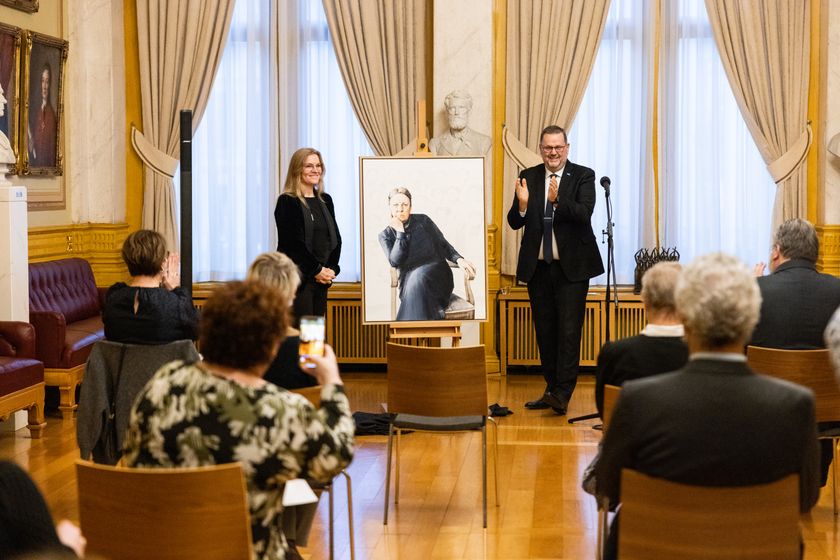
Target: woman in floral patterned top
[220, 410]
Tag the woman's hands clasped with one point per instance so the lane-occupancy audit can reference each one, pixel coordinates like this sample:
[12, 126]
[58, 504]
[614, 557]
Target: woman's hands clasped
[468, 268]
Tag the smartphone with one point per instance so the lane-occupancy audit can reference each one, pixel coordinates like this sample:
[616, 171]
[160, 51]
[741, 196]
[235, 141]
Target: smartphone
[312, 333]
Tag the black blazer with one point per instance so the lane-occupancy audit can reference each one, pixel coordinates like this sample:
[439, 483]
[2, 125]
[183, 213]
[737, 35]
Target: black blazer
[712, 423]
[294, 234]
[576, 243]
[636, 357]
[796, 304]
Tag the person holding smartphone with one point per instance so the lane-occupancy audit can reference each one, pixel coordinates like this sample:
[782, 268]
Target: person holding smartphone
[220, 410]
[307, 231]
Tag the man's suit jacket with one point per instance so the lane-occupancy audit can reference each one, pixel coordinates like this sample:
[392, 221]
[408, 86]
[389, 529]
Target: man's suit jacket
[579, 256]
[712, 423]
[797, 303]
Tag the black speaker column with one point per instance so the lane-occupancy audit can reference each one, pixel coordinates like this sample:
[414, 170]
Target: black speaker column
[186, 201]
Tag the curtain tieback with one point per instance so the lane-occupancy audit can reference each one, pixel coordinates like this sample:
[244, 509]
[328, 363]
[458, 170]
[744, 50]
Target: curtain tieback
[784, 166]
[156, 160]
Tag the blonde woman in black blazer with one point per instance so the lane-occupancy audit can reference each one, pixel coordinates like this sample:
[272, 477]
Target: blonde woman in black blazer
[307, 231]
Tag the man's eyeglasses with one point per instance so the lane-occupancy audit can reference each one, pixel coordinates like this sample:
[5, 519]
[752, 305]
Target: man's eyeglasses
[550, 149]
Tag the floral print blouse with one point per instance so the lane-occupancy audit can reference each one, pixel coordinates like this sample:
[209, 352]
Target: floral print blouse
[189, 417]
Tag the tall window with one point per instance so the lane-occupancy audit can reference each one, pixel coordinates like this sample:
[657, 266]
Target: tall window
[715, 193]
[331, 126]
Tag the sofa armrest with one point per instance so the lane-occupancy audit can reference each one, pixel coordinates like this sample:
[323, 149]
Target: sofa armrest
[21, 336]
[50, 333]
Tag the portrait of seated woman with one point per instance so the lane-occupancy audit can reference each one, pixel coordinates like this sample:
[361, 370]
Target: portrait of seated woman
[415, 246]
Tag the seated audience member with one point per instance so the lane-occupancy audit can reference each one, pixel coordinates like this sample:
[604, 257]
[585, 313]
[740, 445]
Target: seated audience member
[659, 348]
[26, 526]
[714, 422]
[797, 302]
[151, 308]
[279, 272]
[832, 341]
[220, 410]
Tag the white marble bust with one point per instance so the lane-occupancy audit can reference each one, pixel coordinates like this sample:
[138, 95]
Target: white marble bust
[460, 139]
[7, 155]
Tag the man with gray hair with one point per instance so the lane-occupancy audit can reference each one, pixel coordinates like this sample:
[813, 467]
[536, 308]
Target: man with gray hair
[459, 139]
[797, 301]
[714, 422]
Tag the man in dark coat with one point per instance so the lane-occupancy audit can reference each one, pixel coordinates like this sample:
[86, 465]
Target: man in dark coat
[558, 255]
[797, 302]
[714, 422]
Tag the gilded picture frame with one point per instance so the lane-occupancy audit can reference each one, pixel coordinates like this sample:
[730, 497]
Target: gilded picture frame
[10, 48]
[30, 6]
[42, 117]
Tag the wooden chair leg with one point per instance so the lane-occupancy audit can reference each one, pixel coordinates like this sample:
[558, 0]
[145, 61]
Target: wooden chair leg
[397, 470]
[495, 457]
[834, 444]
[35, 414]
[388, 474]
[332, 522]
[484, 472]
[350, 514]
[67, 401]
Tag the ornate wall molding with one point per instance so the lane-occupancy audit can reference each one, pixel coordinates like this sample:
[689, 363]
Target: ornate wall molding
[100, 244]
[829, 259]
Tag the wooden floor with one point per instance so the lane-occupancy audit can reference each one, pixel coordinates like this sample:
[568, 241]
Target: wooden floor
[543, 511]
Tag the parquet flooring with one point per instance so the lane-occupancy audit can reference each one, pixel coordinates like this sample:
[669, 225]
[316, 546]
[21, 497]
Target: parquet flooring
[543, 512]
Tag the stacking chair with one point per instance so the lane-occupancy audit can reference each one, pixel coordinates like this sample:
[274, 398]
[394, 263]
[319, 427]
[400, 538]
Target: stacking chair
[812, 369]
[183, 513]
[611, 393]
[663, 519]
[313, 395]
[437, 390]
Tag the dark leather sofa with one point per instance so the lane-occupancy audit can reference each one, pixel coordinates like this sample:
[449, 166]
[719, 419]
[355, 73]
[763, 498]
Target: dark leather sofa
[21, 375]
[65, 308]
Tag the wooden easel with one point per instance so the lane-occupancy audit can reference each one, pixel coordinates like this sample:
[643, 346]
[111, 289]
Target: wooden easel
[424, 330]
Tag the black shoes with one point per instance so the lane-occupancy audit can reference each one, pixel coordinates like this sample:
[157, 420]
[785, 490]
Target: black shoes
[557, 402]
[554, 401]
[538, 404]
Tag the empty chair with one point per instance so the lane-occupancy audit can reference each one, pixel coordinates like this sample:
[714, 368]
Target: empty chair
[182, 513]
[437, 390]
[666, 520]
[811, 369]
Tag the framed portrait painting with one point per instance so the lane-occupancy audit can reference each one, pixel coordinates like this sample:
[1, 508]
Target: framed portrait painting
[43, 107]
[30, 6]
[424, 249]
[10, 41]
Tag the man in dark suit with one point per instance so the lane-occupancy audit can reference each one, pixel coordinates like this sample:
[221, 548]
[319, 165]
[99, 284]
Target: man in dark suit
[797, 302]
[557, 257]
[659, 348]
[714, 422]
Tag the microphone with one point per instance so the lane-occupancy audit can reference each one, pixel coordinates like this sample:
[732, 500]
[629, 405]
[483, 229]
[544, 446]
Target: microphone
[605, 182]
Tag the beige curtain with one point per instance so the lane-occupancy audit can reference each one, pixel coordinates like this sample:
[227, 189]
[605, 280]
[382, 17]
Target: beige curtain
[181, 44]
[551, 48]
[765, 48]
[380, 46]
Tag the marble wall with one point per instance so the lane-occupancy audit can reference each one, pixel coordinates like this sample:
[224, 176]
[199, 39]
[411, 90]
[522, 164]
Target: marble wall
[95, 111]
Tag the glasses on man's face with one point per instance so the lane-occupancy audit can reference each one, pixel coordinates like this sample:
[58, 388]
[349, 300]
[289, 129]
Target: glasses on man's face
[553, 149]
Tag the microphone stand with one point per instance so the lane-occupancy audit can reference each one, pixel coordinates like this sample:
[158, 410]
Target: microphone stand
[608, 232]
